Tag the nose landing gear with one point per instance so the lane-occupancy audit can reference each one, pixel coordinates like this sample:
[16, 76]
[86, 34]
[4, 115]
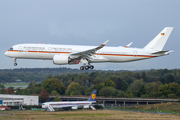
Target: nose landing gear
[15, 63]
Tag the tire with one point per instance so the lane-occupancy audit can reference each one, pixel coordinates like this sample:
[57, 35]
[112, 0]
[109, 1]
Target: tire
[91, 67]
[86, 67]
[82, 68]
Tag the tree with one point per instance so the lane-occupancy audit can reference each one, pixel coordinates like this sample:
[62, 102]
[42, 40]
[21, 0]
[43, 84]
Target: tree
[53, 84]
[173, 87]
[120, 84]
[54, 92]
[32, 84]
[19, 91]
[26, 91]
[163, 90]
[106, 91]
[37, 90]
[76, 92]
[136, 87]
[72, 87]
[109, 83]
[10, 90]
[96, 86]
[144, 77]
[1, 85]
[169, 78]
[137, 75]
[3, 91]
[129, 93]
[43, 97]
[169, 90]
[57, 98]
[178, 93]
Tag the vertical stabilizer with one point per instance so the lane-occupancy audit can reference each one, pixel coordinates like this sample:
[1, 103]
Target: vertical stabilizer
[159, 41]
[93, 96]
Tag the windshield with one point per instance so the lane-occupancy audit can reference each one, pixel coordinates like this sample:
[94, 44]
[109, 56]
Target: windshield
[11, 48]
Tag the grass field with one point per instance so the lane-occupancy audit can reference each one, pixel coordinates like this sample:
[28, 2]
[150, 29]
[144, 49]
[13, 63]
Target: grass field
[170, 107]
[85, 115]
[18, 84]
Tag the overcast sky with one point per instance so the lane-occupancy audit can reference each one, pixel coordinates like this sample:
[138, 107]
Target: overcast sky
[90, 22]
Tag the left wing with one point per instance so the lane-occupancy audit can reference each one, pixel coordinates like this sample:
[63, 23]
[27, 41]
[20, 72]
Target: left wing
[87, 53]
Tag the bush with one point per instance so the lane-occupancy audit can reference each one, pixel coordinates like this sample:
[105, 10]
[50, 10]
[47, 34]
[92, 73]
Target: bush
[145, 96]
[76, 92]
[121, 93]
[28, 107]
[115, 93]
[162, 96]
[172, 95]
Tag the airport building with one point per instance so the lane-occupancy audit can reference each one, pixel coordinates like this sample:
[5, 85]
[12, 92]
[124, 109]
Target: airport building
[12, 100]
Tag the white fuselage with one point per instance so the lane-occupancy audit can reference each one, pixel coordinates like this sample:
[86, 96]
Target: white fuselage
[65, 104]
[106, 54]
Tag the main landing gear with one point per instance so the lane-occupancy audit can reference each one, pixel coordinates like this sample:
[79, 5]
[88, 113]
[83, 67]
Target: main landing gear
[86, 67]
[15, 63]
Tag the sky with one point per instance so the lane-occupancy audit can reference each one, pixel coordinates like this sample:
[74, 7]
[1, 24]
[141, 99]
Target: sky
[90, 22]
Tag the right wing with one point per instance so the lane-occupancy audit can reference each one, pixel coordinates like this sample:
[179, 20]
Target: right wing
[87, 53]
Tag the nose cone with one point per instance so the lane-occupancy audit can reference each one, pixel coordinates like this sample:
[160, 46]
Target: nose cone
[6, 53]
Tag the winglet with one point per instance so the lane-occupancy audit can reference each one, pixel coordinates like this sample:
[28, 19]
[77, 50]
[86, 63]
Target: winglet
[93, 96]
[127, 46]
[104, 43]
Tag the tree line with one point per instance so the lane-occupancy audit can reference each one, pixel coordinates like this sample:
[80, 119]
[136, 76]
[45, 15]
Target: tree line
[162, 83]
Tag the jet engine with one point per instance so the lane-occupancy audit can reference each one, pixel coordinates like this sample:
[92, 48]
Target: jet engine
[63, 60]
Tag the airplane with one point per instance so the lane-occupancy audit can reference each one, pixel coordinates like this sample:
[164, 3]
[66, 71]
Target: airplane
[71, 104]
[75, 54]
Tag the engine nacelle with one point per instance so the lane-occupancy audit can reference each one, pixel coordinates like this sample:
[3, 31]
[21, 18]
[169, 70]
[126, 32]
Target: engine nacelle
[74, 108]
[86, 106]
[61, 59]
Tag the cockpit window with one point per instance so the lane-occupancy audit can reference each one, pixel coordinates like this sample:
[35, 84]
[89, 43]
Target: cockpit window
[11, 48]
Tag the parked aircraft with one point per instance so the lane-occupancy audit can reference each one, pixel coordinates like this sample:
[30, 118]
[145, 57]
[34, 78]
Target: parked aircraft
[71, 104]
[75, 54]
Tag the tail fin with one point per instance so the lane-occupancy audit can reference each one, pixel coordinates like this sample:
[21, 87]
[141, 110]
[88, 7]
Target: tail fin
[159, 41]
[93, 96]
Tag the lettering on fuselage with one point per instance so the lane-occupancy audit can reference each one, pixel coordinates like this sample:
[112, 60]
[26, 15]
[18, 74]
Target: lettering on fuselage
[27, 48]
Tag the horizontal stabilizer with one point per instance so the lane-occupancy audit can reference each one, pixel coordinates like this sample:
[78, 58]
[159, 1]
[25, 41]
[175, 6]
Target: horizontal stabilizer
[161, 52]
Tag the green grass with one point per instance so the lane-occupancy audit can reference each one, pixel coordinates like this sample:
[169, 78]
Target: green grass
[170, 107]
[18, 84]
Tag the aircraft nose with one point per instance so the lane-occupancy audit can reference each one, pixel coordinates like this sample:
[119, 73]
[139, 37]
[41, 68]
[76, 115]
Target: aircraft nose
[6, 53]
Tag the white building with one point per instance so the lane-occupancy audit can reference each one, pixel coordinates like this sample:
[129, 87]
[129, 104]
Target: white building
[12, 100]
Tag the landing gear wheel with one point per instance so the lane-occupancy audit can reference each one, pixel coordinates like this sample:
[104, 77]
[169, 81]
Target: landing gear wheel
[86, 67]
[82, 68]
[91, 66]
[15, 64]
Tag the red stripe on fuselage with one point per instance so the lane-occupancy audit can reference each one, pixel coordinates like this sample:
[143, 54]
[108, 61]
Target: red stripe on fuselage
[94, 54]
